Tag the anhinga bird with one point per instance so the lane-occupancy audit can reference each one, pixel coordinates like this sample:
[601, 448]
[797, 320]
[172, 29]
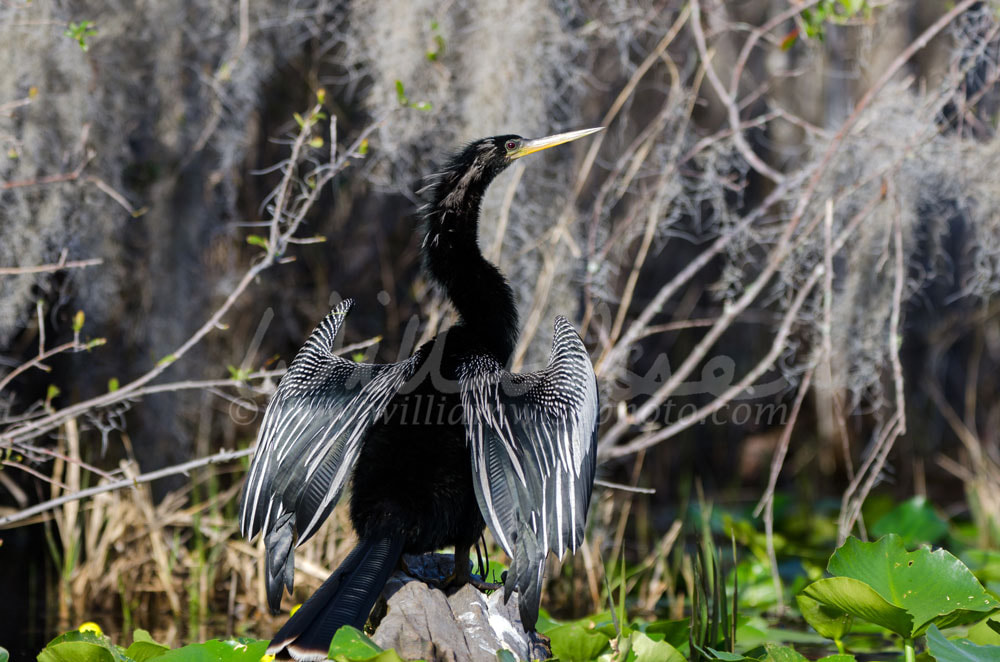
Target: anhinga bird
[519, 454]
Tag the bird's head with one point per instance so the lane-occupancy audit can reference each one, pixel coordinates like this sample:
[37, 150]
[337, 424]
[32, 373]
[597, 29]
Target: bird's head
[461, 183]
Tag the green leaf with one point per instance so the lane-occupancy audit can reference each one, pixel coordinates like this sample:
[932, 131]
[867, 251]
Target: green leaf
[257, 240]
[647, 650]
[726, 656]
[215, 650]
[401, 94]
[78, 321]
[985, 633]
[238, 374]
[914, 520]
[574, 643]
[837, 657]
[140, 651]
[353, 644]
[4, 655]
[363, 147]
[113, 385]
[143, 635]
[76, 651]
[166, 360]
[959, 650]
[80, 31]
[385, 656]
[779, 653]
[933, 587]
[674, 633]
[76, 646]
[504, 655]
[828, 621]
[854, 597]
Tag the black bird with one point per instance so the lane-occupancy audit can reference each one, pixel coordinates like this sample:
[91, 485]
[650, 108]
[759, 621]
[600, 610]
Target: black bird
[434, 444]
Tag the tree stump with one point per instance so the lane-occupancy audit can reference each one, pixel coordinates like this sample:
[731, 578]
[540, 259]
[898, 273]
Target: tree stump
[462, 625]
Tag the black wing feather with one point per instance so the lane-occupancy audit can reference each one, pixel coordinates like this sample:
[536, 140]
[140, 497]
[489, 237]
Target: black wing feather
[533, 441]
[312, 433]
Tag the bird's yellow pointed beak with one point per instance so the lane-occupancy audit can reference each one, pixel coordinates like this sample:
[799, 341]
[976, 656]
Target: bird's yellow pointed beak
[538, 144]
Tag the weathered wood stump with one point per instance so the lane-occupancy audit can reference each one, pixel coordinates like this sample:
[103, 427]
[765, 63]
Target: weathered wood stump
[460, 625]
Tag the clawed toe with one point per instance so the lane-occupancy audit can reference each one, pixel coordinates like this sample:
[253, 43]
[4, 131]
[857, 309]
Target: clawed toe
[483, 585]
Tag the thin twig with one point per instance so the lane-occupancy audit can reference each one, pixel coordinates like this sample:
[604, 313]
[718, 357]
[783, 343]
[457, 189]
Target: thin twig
[621, 487]
[766, 502]
[853, 498]
[48, 268]
[45, 506]
[728, 100]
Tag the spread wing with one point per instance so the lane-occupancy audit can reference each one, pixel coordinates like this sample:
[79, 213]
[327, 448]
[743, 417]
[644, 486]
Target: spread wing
[310, 438]
[533, 441]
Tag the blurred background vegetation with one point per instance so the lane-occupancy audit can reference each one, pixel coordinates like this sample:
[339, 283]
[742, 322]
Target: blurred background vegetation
[787, 238]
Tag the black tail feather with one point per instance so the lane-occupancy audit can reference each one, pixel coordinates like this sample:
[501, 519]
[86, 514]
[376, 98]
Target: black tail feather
[346, 598]
[525, 577]
[280, 546]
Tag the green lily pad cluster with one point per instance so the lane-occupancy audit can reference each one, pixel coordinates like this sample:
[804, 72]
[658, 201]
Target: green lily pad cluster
[89, 644]
[907, 593]
[597, 638]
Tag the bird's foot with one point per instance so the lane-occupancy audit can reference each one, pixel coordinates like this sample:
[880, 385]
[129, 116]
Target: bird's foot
[460, 578]
[484, 585]
[456, 579]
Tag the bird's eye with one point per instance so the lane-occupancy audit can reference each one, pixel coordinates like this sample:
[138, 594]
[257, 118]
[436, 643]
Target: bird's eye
[511, 145]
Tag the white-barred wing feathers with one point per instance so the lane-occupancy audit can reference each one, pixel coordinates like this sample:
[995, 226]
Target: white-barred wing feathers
[311, 435]
[533, 443]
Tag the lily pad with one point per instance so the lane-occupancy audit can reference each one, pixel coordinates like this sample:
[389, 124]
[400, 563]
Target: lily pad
[215, 650]
[385, 656]
[144, 647]
[575, 643]
[830, 622]
[77, 646]
[779, 653]
[140, 651]
[855, 597]
[914, 520]
[647, 650]
[674, 633]
[352, 644]
[985, 633]
[960, 650]
[726, 656]
[932, 587]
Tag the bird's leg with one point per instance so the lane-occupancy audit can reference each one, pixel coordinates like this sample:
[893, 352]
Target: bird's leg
[462, 575]
[406, 568]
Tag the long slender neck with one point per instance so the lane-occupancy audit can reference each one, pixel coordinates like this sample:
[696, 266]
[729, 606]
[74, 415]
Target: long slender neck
[478, 290]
